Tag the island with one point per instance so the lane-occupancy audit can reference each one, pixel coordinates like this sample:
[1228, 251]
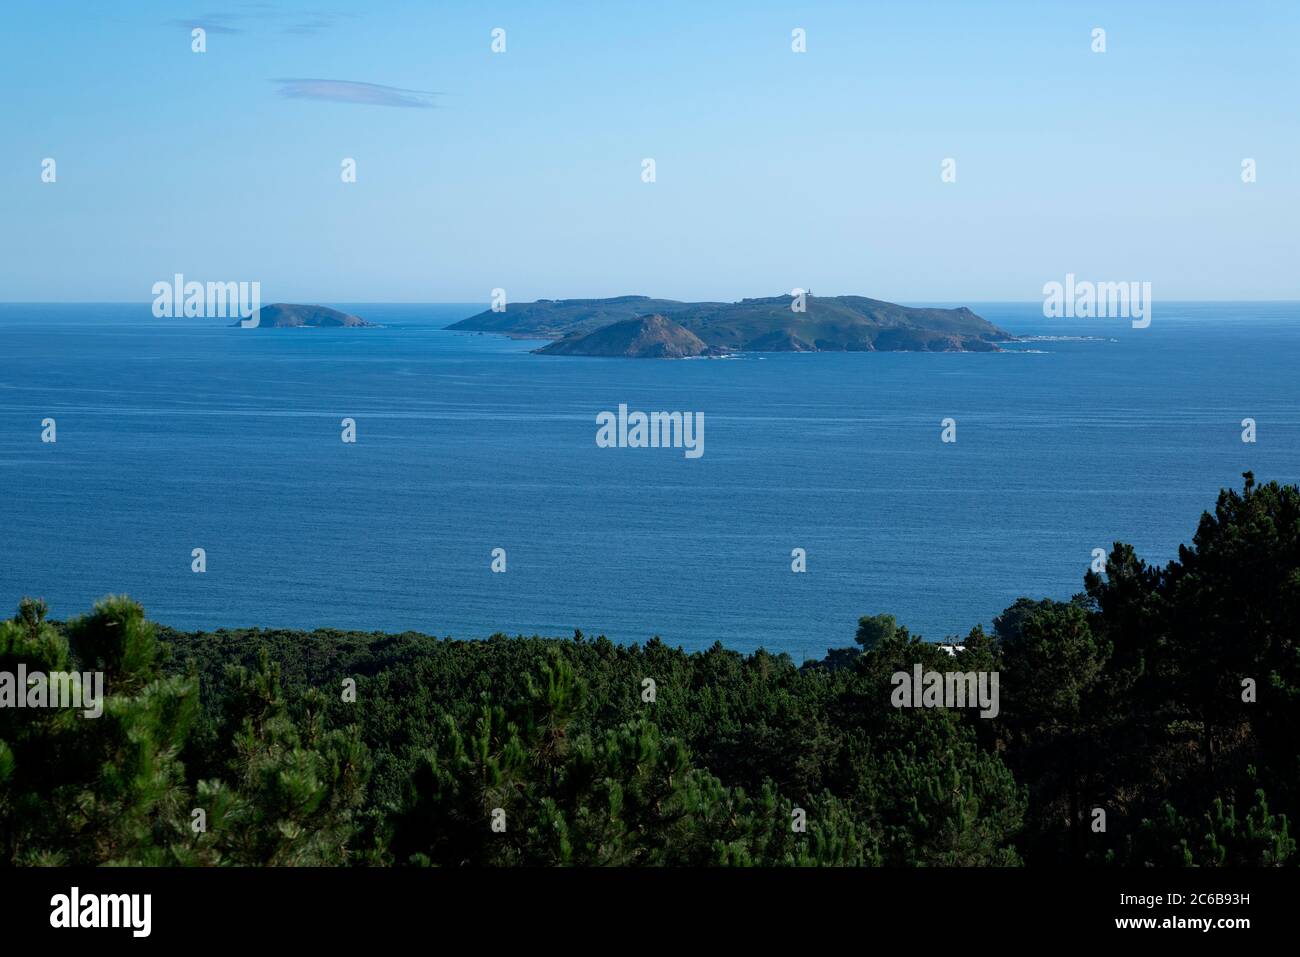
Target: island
[287, 315]
[644, 328]
[646, 337]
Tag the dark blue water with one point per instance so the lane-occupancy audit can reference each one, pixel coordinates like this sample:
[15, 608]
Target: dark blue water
[176, 434]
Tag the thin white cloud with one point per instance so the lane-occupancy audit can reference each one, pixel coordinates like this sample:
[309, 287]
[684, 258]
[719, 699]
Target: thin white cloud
[262, 15]
[211, 22]
[349, 91]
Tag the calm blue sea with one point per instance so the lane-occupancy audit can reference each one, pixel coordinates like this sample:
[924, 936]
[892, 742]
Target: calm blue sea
[175, 434]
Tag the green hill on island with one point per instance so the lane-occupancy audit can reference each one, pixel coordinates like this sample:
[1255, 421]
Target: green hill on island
[649, 337]
[282, 315]
[672, 329]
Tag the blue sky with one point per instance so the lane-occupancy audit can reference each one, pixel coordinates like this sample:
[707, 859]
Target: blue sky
[774, 169]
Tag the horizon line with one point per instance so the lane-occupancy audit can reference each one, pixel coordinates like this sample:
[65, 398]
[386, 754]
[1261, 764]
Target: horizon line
[468, 302]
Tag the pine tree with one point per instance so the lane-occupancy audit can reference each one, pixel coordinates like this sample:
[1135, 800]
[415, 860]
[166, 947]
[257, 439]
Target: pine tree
[83, 790]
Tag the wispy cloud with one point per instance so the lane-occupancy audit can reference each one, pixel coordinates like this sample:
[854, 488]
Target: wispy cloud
[255, 15]
[317, 23]
[349, 91]
[211, 22]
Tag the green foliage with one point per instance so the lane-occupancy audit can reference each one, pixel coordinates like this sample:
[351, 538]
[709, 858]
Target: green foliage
[77, 790]
[295, 787]
[1168, 697]
[626, 796]
[874, 629]
[111, 789]
[1219, 839]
